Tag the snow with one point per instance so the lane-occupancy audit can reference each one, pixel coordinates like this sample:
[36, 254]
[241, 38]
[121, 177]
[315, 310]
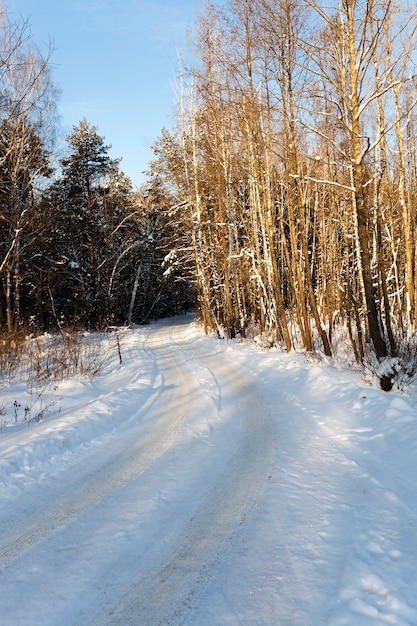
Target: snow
[208, 482]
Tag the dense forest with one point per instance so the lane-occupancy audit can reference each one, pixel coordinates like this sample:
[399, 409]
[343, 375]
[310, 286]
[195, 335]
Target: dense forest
[295, 154]
[281, 204]
[79, 247]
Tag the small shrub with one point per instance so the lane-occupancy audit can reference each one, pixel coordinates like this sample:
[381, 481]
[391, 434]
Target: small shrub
[41, 361]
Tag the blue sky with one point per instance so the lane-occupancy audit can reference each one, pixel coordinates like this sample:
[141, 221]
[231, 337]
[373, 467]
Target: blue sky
[115, 62]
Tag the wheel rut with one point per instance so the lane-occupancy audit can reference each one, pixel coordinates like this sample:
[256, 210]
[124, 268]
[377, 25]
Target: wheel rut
[172, 587]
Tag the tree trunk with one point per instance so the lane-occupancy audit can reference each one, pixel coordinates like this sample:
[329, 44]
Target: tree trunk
[360, 206]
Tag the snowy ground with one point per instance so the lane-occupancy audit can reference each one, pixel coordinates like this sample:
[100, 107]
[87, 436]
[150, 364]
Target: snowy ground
[210, 483]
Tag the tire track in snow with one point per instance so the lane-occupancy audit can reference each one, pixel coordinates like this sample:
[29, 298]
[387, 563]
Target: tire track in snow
[172, 587]
[68, 501]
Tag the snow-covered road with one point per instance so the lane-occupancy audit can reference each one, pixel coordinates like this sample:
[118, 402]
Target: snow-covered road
[140, 523]
[209, 483]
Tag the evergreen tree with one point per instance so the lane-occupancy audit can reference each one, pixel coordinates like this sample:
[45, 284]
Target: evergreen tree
[81, 191]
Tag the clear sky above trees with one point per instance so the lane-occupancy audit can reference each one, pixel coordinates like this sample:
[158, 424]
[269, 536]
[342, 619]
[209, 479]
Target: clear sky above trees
[115, 63]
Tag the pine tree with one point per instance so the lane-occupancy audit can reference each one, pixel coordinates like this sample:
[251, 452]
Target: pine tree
[81, 187]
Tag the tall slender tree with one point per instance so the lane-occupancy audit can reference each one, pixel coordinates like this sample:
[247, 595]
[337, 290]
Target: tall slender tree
[27, 105]
[296, 158]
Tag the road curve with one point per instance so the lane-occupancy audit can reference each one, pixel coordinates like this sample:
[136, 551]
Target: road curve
[170, 589]
[165, 545]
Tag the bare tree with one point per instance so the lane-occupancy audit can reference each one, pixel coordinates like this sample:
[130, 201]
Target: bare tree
[27, 101]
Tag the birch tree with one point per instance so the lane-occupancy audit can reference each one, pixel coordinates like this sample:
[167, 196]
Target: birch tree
[298, 163]
[27, 104]
[355, 65]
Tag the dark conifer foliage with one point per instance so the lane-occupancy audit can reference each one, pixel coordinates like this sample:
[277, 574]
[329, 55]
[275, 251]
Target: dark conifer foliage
[80, 203]
[78, 246]
[168, 276]
[102, 259]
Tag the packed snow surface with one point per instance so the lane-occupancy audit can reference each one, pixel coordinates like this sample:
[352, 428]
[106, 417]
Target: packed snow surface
[209, 483]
